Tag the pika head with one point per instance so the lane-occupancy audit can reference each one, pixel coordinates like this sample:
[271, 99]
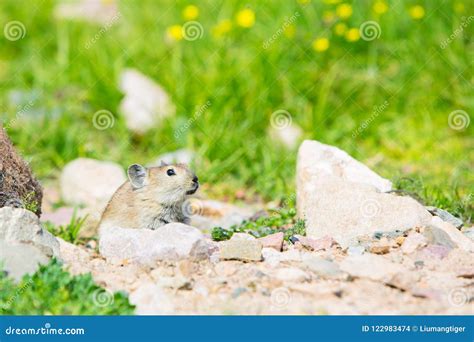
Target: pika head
[165, 183]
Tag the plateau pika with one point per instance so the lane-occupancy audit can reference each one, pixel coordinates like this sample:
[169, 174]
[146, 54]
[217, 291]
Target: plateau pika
[151, 198]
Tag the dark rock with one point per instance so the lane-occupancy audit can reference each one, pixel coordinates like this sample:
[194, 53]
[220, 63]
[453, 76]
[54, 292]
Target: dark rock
[445, 216]
[18, 187]
[437, 236]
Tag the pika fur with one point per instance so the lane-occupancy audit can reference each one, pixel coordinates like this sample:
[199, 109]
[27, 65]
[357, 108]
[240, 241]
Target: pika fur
[152, 197]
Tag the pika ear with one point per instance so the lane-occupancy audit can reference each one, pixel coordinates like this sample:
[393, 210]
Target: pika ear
[163, 163]
[137, 175]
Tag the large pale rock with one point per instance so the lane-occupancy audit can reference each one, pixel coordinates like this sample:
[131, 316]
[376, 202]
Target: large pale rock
[241, 247]
[90, 182]
[173, 241]
[23, 226]
[18, 259]
[288, 135]
[342, 198]
[145, 102]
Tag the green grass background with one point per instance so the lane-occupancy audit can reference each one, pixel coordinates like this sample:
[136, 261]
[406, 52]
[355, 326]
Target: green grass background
[328, 94]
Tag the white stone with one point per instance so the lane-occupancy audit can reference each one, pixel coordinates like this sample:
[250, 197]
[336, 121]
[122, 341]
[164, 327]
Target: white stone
[371, 266]
[18, 259]
[241, 246]
[288, 135]
[90, 182]
[413, 242]
[22, 226]
[291, 274]
[151, 299]
[456, 236]
[145, 102]
[182, 156]
[173, 241]
[341, 198]
[100, 12]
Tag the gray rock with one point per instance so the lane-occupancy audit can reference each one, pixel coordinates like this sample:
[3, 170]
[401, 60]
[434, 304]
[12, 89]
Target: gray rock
[322, 267]
[145, 102]
[342, 198]
[173, 241]
[19, 259]
[291, 274]
[438, 236]
[241, 247]
[90, 182]
[23, 226]
[446, 216]
[469, 233]
[461, 240]
[288, 135]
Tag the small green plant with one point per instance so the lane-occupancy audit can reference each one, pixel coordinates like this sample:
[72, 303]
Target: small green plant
[53, 291]
[69, 232]
[278, 221]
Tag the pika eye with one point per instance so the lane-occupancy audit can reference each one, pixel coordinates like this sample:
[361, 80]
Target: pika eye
[171, 172]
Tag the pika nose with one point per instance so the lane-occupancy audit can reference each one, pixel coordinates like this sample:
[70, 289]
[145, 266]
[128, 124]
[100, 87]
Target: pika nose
[195, 179]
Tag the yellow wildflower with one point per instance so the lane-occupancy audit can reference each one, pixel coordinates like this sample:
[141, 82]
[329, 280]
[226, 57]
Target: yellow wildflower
[380, 7]
[340, 29]
[321, 44]
[245, 18]
[417, 12]
[352, 35]
[344, 11]
[175, 32]
[190, 12]
[290, 31]
[223, 27]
